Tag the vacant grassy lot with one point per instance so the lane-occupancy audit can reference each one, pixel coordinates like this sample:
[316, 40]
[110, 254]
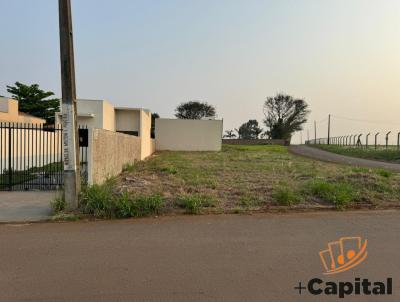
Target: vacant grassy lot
[389, 155]
[237, 180]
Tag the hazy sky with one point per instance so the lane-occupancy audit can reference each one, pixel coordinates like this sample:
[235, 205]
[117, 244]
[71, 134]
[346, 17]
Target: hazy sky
[341, 56]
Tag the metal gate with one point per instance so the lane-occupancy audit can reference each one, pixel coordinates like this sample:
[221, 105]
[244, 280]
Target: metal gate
[31, 157]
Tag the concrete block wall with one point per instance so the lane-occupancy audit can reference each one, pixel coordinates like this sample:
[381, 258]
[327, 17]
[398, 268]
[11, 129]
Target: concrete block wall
[108, 152]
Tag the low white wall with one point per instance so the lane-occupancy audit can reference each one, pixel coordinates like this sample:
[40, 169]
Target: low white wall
[188, 135]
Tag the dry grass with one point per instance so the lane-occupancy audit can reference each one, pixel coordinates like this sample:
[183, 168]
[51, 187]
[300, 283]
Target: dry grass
[257, 178]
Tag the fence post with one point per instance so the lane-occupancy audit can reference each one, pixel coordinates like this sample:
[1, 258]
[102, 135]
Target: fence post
[366, 140]
[9, 157]
[376, 136]
[387, 138]
[398, 140]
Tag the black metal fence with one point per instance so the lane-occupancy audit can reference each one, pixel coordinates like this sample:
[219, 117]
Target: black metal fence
[31, 157]
[369, 140]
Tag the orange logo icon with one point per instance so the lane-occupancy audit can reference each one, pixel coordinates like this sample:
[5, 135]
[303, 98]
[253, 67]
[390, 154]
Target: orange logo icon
[343, 254]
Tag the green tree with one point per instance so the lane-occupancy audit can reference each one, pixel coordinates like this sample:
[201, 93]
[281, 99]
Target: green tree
[249, 130]
[284, 115]
[153, 124]
[195, 110]
[230, 134]
[35, 101]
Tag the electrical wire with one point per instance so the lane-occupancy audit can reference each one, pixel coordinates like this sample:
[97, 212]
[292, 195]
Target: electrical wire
[366, 121]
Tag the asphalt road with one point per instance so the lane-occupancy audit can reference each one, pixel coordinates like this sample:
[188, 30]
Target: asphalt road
[191, 258]
[323, 155]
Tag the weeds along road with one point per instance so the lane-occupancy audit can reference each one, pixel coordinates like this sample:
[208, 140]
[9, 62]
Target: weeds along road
[191, 258]
[319, 154]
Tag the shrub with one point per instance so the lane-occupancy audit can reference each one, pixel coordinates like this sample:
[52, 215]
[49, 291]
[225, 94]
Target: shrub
[194, 203]
[58, 204]
[286, 196]
[101, 201]
[339, 193]
[384, 173]
[98, 200]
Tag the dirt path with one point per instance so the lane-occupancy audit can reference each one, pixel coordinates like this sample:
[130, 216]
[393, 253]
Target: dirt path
[319, 154]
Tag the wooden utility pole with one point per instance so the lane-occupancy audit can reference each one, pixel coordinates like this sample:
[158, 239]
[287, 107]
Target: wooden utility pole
[69, 120]
[329, 129]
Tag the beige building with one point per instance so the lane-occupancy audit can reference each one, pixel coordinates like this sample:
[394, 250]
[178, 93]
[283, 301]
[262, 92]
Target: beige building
[100, 114]
[9, 113]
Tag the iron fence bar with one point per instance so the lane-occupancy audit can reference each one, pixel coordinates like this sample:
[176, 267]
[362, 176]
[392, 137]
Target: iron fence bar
[9, 158]
[387, 139]
[398, 140]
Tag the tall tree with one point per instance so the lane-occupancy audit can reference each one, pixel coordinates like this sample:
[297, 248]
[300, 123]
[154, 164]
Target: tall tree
[195, 110]
[230, 134]
[284, 115]
[35, 101]
[153, 124]
[249, 130]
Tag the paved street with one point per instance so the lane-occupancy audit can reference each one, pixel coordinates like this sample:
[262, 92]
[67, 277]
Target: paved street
[191, 258]
[323, 155]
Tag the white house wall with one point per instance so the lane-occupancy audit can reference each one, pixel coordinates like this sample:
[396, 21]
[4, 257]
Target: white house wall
[188, 135]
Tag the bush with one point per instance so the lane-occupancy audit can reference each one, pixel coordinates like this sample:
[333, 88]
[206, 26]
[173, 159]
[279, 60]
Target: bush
[194, 203]
[58, 204]
[340, 194]
[100, 201]
[384, 173]
[285, 196]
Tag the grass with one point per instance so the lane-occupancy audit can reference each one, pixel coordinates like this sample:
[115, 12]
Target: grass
[286, 196]
[193, 204]
[341, 194]
[382, 154]
[102, 201]
[58, 204]
[239, 179]
[252, 178]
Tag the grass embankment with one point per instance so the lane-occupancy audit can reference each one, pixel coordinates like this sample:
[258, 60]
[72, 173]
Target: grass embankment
[239, 179]
[382, 154]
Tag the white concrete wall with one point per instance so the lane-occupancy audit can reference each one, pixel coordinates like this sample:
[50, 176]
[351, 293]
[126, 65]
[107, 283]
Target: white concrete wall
[88, 107]
[145, 134]
[127, 120]
[108, 116]
[188, 135]
[93, 114]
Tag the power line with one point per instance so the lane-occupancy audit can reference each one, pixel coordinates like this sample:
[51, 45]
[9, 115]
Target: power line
[366, 121]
